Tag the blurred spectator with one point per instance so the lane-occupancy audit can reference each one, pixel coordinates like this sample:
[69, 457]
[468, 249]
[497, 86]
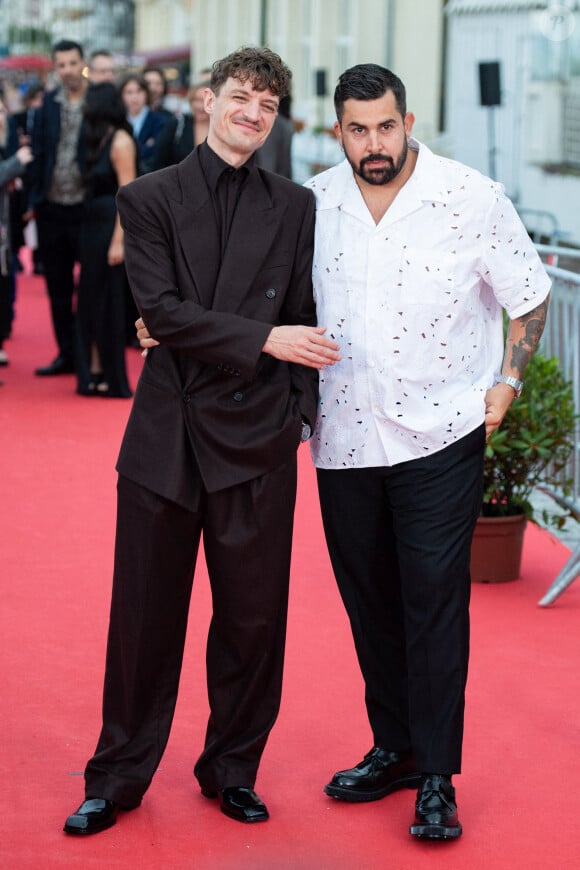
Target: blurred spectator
[24, 120]
[23, 224]
[147, 124]
[276, 152]
[101, 67]
[157, 83]
[56, 194]
[10, 168]
[150, 133]
[109, 161]
[175, 143]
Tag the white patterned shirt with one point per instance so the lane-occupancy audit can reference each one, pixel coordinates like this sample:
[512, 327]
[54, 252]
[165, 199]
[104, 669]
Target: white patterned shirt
[415, 303]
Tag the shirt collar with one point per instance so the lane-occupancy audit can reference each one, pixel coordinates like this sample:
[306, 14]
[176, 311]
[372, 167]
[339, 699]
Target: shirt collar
[137, 121]
[61, 96]
[428, 175]
[213, 166]
[427, 181]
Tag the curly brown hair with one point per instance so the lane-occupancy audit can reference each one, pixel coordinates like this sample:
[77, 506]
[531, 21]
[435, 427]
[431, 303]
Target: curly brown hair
[262, 67]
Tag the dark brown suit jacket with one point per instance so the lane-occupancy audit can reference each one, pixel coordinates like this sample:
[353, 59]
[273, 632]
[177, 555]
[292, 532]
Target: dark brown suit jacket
[208, 391]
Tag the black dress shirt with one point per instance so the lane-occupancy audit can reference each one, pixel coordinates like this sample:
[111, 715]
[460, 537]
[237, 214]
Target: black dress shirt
[225, 185]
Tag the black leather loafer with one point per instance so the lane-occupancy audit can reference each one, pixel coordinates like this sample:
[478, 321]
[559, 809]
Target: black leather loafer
[94, 815]
[377, 775]
[435, 809]
[59, 366]
[240, 803]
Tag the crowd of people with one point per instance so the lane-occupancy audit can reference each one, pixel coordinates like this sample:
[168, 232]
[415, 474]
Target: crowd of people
[64, 155]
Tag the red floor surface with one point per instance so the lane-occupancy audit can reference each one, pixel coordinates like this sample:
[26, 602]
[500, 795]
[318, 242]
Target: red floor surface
[518, 796]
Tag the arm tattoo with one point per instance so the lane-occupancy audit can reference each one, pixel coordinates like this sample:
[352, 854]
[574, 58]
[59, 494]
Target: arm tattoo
[533, 324]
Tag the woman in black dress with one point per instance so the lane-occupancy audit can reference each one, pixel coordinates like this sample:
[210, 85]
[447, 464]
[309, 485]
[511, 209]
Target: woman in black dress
[109, 158]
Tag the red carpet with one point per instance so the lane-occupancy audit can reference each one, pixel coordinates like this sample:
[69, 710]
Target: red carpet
[519, 797]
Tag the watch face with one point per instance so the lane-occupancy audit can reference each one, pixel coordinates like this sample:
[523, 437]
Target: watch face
[306, 432]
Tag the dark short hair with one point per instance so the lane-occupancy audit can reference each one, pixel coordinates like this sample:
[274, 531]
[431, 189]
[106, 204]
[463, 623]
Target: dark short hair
[160, 73]
[263, 68]
[368, 81]
[67, 45]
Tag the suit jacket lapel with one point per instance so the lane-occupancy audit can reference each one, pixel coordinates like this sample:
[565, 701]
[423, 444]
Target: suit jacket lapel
[196, 227]
[254, 227]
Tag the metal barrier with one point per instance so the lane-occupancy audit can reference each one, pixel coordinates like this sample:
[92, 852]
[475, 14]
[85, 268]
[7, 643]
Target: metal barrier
[542, 224]
[561, 339]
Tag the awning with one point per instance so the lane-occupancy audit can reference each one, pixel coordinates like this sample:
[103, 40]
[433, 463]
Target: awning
[461, 6]
[36, 62]
[166, 55]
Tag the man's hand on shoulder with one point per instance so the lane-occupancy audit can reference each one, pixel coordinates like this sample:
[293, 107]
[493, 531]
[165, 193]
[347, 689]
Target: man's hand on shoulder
[305, 345]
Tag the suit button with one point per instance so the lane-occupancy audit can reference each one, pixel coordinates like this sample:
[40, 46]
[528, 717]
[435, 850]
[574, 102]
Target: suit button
[186, 398]
[238, 396]
[271, 293]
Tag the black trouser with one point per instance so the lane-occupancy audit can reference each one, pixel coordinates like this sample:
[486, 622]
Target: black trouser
[58, 239]
[247, 532]
[399, 539]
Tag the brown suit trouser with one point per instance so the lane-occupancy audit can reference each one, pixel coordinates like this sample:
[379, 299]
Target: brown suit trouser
[247, 533]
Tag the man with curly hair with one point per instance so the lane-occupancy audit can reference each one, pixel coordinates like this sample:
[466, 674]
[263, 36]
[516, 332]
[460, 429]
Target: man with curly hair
[219, 258]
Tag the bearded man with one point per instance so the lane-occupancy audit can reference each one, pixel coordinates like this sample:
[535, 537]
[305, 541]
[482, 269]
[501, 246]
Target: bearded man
[415, 259]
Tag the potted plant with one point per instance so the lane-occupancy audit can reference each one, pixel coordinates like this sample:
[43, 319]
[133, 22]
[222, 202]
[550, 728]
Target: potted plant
[530, 449]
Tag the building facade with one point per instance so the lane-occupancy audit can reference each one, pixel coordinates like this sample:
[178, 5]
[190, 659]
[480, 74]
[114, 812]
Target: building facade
[32, 26]
[317, 38]
[530, 140]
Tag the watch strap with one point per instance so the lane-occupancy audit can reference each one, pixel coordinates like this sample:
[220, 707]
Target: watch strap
[516, 385]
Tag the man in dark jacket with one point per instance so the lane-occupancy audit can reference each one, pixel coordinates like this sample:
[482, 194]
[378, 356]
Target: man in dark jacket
[56, 194]
[219, 257]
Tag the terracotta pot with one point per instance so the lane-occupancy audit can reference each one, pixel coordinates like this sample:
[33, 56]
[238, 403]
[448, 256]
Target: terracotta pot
[496, 549]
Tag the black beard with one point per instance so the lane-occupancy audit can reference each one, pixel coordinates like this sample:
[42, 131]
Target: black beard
[383, 175]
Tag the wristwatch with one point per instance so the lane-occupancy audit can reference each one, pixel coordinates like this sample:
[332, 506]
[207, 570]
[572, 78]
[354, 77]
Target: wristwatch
[306, 431]
[516, 385]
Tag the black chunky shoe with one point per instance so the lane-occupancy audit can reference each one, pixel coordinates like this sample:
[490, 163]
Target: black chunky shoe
[435, 809]
[379, 773]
